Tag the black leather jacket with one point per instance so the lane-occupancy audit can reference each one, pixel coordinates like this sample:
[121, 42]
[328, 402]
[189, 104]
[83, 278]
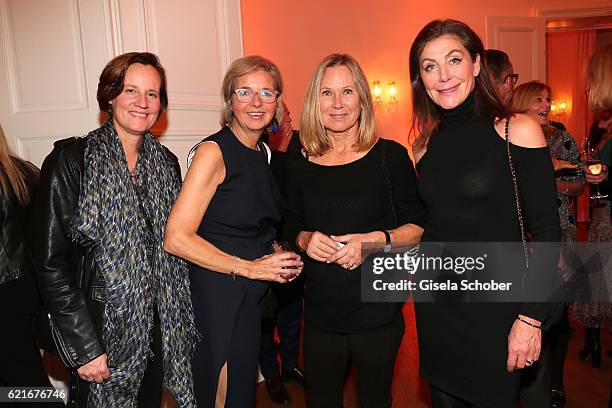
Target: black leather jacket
[71, 285]
[14, 262]
[18, 293]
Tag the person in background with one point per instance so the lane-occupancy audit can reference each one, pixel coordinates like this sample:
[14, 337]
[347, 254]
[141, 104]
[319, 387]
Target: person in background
[284, 302]
[597, 314]
[346, 187]
[20, 362]
[119, 305]
[224, 222]
[534, 99]
[471, 352]
[500, 67]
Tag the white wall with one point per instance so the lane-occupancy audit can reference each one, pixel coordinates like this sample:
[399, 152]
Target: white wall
[53, 51]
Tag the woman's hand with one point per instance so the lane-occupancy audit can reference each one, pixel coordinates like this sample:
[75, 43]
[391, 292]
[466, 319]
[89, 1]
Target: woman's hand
[96, 370]
[524, 343]
[280, 267]
[317, 245]
[596, 178]
[350, 255]
[564, 164]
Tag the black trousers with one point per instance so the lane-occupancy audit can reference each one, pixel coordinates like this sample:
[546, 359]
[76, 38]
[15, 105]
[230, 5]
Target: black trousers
[326, 356]
[287, 320]
[538, 380]
[20, 361]
[151, 389]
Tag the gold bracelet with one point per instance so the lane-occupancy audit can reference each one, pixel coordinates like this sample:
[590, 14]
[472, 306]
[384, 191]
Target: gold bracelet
[530, 324]
[233, 273]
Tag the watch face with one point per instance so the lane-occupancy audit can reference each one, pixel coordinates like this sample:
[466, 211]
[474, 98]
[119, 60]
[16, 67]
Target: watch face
[387, 248]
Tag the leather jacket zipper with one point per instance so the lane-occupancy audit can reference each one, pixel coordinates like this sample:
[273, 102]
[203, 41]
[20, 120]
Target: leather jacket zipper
[61, 346]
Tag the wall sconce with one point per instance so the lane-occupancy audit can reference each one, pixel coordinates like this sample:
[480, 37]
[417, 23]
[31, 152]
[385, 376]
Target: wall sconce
[558, 109]
[385, 96]
[377, 92]
[392, 104]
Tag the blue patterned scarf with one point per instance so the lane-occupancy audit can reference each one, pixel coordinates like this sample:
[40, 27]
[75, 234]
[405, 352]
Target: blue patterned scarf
[108, 213]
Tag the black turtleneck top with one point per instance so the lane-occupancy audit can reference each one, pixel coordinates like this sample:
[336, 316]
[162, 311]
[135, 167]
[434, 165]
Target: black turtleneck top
[468, 192]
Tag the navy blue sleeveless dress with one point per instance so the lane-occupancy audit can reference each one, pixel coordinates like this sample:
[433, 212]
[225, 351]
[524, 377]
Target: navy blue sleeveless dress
[240, 220]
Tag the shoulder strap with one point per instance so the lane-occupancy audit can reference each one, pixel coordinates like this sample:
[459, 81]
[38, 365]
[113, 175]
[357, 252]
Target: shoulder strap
[263, 146]
[516, 193]
[192, 152]
[383, 154]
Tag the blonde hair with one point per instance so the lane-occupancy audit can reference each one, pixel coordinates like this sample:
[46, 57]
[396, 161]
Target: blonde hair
[313, 135]
[13, 173]
[244, 66]
[525, 95]
[599, 75]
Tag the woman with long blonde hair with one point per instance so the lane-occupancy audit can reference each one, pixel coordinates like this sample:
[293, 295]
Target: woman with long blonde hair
[589, 309]
[20, 363]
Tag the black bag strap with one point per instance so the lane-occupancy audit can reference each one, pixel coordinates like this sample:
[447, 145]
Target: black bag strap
[516, 194]
[383, 153]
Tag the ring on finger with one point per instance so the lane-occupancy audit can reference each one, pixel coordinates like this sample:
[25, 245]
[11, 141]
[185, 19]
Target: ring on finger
[529, 362]
[349, 265]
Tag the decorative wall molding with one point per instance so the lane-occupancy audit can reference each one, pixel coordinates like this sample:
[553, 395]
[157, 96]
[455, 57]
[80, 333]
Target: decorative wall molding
[568, 11]
[112, 19]
[14, 70]
[143, 33]
[53, 51]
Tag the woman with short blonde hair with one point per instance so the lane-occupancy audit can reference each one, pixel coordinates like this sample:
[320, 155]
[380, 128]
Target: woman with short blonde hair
[244, 66]
[223, 223]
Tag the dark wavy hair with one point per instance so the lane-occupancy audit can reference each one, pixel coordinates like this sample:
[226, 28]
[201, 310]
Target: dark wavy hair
[498, 63]
[113, 76]
[425, 113]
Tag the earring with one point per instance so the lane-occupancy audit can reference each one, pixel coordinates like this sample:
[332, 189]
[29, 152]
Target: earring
[274, 127]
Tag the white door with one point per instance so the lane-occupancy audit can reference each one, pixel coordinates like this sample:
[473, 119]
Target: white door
[524, 40]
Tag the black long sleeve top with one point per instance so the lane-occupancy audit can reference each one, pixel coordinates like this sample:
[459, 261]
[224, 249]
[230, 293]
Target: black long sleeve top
[351, 198]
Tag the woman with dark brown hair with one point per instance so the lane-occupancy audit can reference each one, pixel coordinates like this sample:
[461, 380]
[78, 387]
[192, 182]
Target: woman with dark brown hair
[119, 305]
[470, 179]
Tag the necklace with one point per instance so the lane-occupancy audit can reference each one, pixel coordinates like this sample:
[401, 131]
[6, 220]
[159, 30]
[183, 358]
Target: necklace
[132, 172]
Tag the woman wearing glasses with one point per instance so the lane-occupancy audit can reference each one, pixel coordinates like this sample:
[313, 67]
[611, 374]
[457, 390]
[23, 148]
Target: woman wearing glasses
[224, 222]
[501, 69]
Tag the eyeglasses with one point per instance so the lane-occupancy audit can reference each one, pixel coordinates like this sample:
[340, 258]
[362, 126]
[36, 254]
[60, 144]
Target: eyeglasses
[512, 77]
[246, 95]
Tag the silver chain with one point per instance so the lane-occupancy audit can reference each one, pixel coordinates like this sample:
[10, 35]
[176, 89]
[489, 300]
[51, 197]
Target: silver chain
[516, 195]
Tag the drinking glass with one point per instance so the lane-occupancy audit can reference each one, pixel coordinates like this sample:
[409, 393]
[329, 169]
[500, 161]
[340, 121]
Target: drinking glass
[283, 246]
[593, 163]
